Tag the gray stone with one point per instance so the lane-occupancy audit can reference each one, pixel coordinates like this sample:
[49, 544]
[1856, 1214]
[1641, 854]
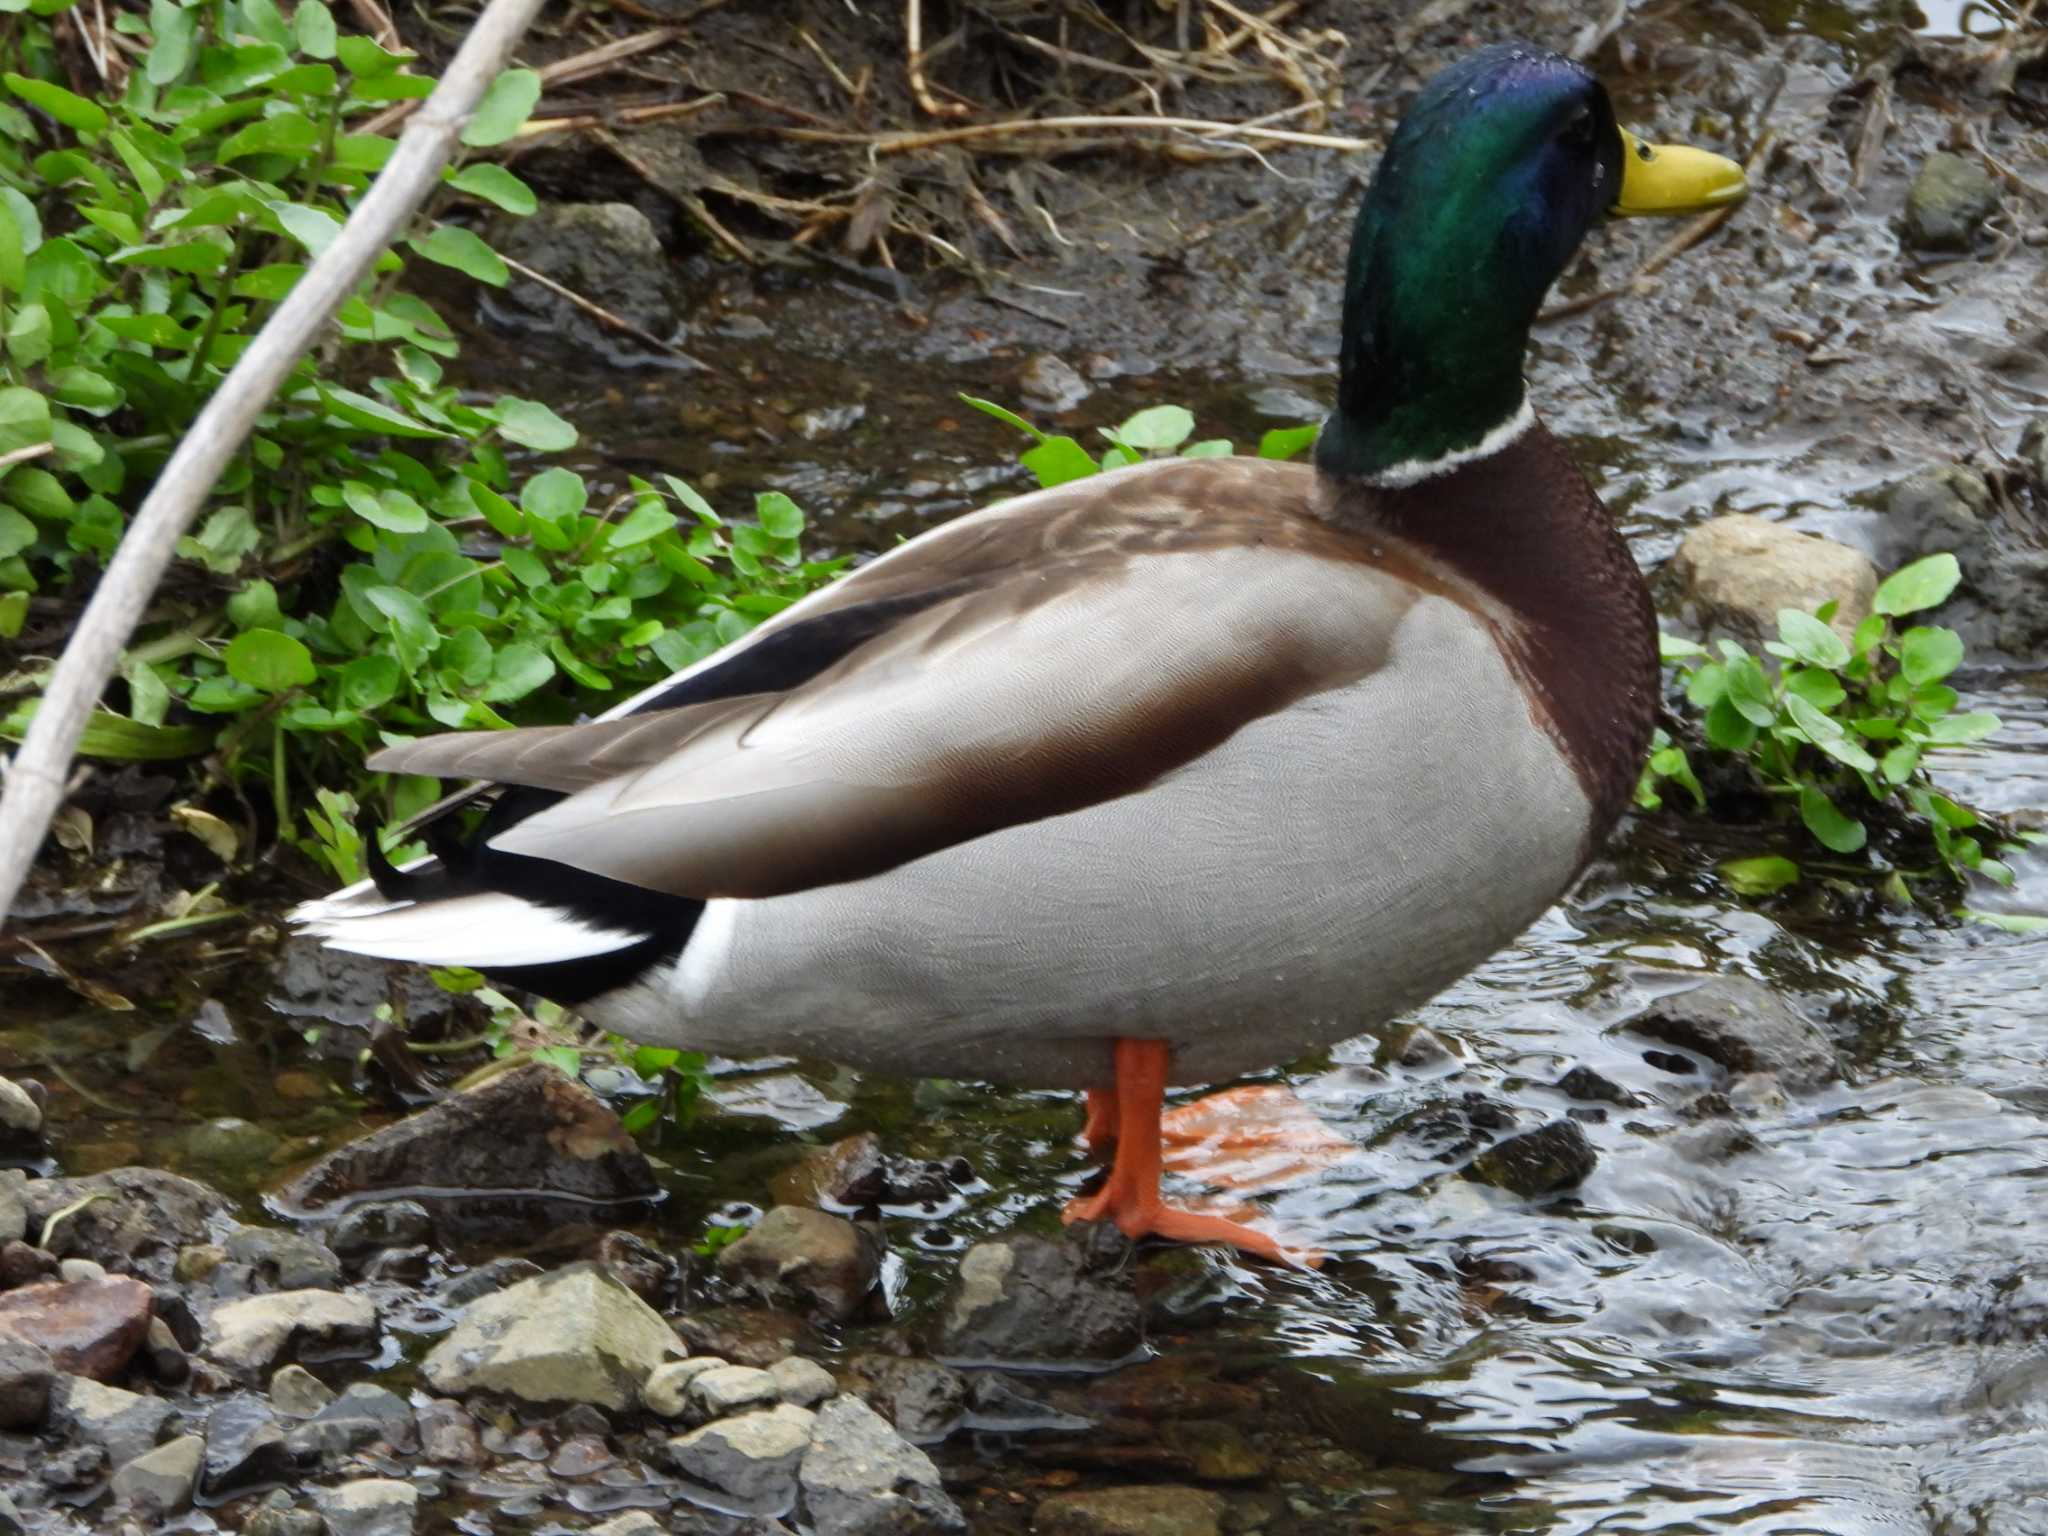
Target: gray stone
[1544, 1161]
[861, 1478]
[1140, 1511]
[753, 1457]
[448, 1434]
[728, 1389]
[370, 1506]
[379, 1224]
[666, 1391]
[285, 1261]
[277, 1515]
[245, 1448]
[1941, 507]
[124, 1424]
[633, 1523]
[1949, 201]
[251, 1334]
[26, 1377]
[576, 1335]
[526, 1132]
[1733, 573]
[13, 1208]
[494, 1275]
[1743, 1026]
[21, 1117]
[923, 1399]
[297, 1393]
[160, 1482]
[1030, 1301]
[1052, 383]
[363, 1415]
[137, 1219]
[2033, 453]
[10, 1518]
[607, 252]
[800, 1257]
[229, 1151]
[72, 1271]
[802, 1382]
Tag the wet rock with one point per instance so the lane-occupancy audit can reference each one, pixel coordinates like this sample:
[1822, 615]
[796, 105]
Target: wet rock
[89, 1327]
[800, 1257]
[1742, 1026]
[1215, 1451]
[21, 1117]
[826, 420]
[861, 1478]
[854, 1173]
[363, 1415]
[2033, 452]
[1145, 1511]
[576, 1335]
[728, 1389]
[160, 1482]
[1942, 507]
[26, 1377]
[448, 1434]
[123, 1424]
[136, 1221]
[666, 1391]
[10, 1518]
[634, 1523]
[994, 1403]
[197, 1262]
[1949, 201]
[73, 1467]
[406, 1266]
[526, 1130]
[753, 1457]
[297, 1393]
[370, 1506]
[314, 982]
[22, 1265]
[1585, 1083]
[1544, 1161]
[1029, 1301]
[1052, 383]
[283, 1260]
[244, 1447]
[80, 1271]
[233, 1151]
[486, 1278]
[923, 1399]
[279, 1515]
[166, 1357]
[13, 1209]
[641, 1267]
[1950, 507]
[580, 1455]
[607, 252]
[379, 1224]
[1733, 573]
[802, 1382]
[250, 1335]
[757, 1336]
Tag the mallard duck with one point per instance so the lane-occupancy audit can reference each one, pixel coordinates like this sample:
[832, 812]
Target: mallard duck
[1160, 777]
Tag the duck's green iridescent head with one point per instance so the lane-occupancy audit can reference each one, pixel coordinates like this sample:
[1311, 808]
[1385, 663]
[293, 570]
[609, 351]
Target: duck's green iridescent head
[1499, 169]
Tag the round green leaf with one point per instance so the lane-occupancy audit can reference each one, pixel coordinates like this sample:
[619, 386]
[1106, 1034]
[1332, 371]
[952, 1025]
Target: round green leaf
[453, 246]
[554, 494]
[269, 660]
[1156, 429]
[1759, 876]
[1842, 834]
[1929, 653]
[497, 186]
[1920, 585]
[532, 425]
[1811, 641]
[778, 516]
[507, 104]
[371, 682]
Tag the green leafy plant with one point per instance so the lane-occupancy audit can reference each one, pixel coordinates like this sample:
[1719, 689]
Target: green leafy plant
[386, 556]
[1158, 431]
[717, 1239]
[1837, 734]
[679, 1078]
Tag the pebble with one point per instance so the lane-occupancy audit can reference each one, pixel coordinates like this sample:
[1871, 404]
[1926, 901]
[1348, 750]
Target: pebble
[448, 1434]
[379, 1224]
[728, 1389]
[795, 1256]
[1734, 573]
[13, 1209]
[21, 1117]
[1544, 1161]
[160, 1482]
[633, 1523]
[802, 1382]
[363, 1415]
[277, 1515]
[1743, 1026]
[297, 1393]
[1949, 201]
[285, 1261]
[124, 1424]
[1031, 1301]
[666, 1390]
[245, 1448]
[168, 1361]
[370, 1506]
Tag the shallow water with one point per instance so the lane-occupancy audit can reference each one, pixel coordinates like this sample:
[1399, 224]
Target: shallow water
[1815, 1314]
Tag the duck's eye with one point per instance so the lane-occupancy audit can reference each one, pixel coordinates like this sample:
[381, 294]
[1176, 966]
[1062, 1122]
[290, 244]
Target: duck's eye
[1578, 131]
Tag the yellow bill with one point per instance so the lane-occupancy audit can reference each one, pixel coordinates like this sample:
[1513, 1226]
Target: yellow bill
[1673, 178]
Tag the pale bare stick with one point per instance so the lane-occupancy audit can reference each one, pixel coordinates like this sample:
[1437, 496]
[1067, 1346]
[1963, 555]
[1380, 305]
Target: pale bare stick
[35, 782]
[902, 143]
[913, 52]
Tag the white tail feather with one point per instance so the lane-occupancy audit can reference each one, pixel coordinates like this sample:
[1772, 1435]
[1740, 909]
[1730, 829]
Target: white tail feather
[483, 930]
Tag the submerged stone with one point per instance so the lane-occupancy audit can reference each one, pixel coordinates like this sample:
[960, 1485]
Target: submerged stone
[1742, 1026]
[1949, 201]
[1544, 1161]
[576, 1335]
[797, 1256]
[1144, 1511]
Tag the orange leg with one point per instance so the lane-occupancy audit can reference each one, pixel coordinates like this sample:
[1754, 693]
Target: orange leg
[1100, 1130]
[1131, 1197]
